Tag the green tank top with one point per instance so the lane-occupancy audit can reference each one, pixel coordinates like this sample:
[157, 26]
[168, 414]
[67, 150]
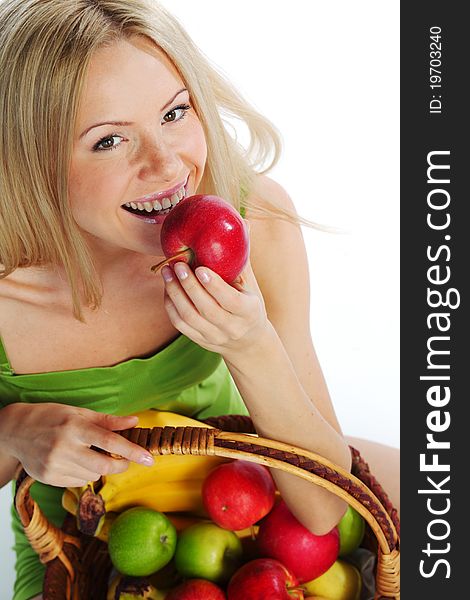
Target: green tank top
[182, 377]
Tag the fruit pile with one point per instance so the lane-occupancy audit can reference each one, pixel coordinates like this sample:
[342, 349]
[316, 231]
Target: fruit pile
[230, 537]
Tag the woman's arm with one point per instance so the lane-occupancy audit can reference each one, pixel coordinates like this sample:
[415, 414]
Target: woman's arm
[54, 443]
[269, 351]
[8, 466]
[282, 410]
[280, 378]
[279, 261]
[8, 463]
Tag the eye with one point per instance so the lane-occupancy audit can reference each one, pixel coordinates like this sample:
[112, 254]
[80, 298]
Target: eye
[176, 114]
[107, 143]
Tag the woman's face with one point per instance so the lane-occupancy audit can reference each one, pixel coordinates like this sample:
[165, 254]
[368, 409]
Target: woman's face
[138, 147]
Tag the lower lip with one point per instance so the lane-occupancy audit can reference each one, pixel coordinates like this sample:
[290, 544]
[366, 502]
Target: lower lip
[158, 219]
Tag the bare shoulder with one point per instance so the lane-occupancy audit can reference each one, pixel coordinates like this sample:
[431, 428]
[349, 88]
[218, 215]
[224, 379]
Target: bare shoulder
[279, 261]
[12, 289]
[278, 255]
[29, 287]
[268, 194]
[267, 191]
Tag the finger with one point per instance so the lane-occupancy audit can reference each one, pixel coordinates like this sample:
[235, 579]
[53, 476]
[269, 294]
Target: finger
[246, 282]
[117, 445]
[227, 296]
[178, 321]
[189, 282]
[84, 473]
[175, 292]
[239, 283]
[73, 482]
[70, 482]
[201, 297]
[112, 422]
[180, 288]
[81, 476]
[186, 310]
[102, 464]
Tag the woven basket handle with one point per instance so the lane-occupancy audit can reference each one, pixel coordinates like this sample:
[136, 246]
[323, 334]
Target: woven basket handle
[359, 467]
[205, 441]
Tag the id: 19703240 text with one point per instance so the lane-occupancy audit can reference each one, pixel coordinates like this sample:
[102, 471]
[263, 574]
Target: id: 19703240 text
[435, 69]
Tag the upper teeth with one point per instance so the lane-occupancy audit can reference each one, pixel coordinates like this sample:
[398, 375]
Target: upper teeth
[156, 205]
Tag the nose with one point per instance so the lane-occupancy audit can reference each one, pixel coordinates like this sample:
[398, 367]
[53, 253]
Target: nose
[160, 161]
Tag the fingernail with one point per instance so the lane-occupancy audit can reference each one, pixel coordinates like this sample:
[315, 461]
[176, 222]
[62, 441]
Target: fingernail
[203, 276]
[147, 460]
[167, 274]
[181, 271]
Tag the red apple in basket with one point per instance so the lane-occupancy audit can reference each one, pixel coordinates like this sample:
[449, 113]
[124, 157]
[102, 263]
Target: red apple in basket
[206, 230]
[263, 579]
[283, 537]
[196, 589]
[237, 494]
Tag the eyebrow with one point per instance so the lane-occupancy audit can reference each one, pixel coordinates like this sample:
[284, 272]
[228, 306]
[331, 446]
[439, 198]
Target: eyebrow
[124, 123]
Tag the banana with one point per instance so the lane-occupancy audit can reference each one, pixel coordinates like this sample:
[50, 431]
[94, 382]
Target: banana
[104, 526]
[165, 468]
[177, 496]
[162, 418]
[172, 484]
[69, 501]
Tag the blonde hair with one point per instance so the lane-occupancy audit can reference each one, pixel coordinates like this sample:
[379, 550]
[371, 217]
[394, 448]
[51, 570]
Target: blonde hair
[45, 50]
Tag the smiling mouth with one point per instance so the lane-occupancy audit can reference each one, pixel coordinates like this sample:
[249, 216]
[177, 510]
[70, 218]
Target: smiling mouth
[153, 208]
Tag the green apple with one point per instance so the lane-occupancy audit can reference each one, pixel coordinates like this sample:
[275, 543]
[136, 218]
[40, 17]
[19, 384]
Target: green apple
[141, 541]
[342, 581]
[351, 531]
[205, 550]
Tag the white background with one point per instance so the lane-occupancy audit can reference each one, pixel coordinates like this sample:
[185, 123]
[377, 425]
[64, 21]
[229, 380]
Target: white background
[327, 75]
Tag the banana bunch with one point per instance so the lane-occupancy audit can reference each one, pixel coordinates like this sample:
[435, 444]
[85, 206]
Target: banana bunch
[172, 485]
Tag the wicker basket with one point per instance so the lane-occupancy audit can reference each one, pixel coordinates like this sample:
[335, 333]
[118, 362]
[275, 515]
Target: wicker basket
[78, 566]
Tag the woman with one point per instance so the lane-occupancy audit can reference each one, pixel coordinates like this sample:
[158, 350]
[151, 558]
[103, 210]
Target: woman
[107, 106]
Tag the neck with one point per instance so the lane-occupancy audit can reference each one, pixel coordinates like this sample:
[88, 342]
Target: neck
[113, 262]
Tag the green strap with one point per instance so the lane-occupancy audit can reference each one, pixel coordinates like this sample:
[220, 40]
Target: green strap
[4, 362]
[243, 195]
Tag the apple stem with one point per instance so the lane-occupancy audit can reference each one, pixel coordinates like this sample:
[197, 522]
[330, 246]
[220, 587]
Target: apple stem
[298, 588]
[253, 532]
[188, 254]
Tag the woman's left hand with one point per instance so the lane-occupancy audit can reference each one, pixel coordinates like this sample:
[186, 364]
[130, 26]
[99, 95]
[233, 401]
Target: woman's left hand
[220, 317]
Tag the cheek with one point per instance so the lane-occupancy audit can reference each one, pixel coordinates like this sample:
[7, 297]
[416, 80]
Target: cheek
[77, 189]
[92, 185]
[196, 144]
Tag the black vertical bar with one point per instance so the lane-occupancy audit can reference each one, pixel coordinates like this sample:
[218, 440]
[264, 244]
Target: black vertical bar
[434, 255]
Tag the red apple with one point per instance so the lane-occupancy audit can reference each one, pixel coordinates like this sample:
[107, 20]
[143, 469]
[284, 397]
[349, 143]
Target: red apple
[206, 230]
[283, 537]
[237, 494]
[196, 589]
[263, 579]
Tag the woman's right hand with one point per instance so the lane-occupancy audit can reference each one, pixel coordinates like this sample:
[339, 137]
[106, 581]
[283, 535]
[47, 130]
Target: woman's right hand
[53, 442]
